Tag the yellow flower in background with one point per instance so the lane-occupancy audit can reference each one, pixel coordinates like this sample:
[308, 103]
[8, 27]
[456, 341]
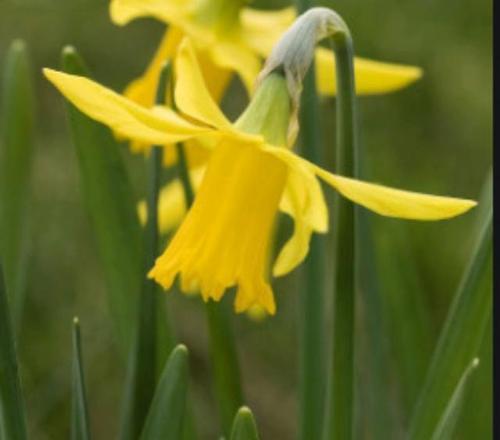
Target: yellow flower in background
[251, 175]
[230, 37]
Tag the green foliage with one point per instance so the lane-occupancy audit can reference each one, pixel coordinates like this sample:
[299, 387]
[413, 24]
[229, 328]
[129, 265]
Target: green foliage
[461, 336]
[79, 412]
[244, 426]
[165, 417]
[111, 206]
[16, 157]
[12, 412]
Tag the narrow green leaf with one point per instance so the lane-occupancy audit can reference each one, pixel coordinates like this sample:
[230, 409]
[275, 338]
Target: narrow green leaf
[110, 202]
[141, 370]
[448, 421]
[16, 157]
[461, 336]
[225, 366]
[165, 417]
[79, 412]
[244, 426]
[12, 412]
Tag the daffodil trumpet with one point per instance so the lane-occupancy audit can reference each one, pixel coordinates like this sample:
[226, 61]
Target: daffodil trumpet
[251, 175]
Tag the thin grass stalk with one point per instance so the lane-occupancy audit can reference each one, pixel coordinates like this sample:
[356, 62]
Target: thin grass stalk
[80, 426]
[339, 425]
[311, 295]
[16, 157]
[141, 374]
[12, 412]
[461, 336]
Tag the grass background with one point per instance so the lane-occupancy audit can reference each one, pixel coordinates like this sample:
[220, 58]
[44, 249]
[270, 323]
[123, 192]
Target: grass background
[433, 137]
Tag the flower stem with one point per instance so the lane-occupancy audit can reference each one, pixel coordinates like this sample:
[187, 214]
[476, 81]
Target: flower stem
[141, 374]
[341, 399]
[311, 358]
[226, 370]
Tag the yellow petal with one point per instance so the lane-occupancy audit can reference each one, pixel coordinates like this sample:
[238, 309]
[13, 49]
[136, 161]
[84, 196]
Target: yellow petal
[395, 202]
[372, 77]
[171, 11]
[303, 200]
[154, 126]
[191, 94]
[262, 29]
[235, 55]
[143, 89]
[383, 200]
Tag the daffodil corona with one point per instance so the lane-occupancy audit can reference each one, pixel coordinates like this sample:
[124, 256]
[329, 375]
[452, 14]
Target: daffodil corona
[251, 175]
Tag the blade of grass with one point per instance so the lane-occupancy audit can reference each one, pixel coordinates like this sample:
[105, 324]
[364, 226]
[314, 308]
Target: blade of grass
[141, 369]
[311, 295]
[12, 412]
[244, 426]
[165, 417]
[79, 412]
[448, 421]
[461, 336]
[16, 157]
[112, 208]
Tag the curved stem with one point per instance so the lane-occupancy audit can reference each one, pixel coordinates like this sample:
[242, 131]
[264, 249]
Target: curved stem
[341, 399]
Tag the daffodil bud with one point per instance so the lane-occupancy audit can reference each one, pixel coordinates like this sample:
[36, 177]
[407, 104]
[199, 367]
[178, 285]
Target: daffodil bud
[294, 52]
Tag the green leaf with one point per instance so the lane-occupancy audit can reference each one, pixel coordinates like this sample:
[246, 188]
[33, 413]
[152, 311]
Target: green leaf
[461, 336]
[110, 202]
[448, 421]
[12, 412]
[16, 157]
[79, 412]
[165, 417]
[244, 426]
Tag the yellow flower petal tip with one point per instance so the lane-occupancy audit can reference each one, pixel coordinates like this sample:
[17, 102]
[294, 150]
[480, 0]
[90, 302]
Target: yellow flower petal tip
[372, 77]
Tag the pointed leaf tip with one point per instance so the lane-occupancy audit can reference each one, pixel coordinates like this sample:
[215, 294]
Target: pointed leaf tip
[244, 426]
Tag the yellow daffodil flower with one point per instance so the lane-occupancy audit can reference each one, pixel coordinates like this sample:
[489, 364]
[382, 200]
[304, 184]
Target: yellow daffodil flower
[231, 37]
[251, 175]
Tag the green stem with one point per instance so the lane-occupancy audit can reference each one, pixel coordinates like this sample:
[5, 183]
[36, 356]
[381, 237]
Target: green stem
[141, 376]
[228, 389]
[311, 320]
[311, 359]
[341, 399]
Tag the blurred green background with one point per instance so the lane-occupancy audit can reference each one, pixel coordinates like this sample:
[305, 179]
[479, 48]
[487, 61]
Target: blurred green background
[433, 137]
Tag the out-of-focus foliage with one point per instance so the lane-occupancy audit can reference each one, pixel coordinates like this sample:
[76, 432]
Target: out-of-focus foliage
[433, 137]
